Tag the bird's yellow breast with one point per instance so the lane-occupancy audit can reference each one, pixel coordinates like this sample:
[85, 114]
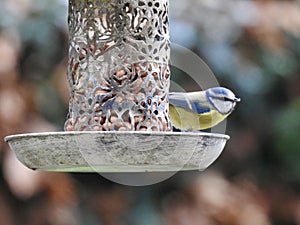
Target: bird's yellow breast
[187, 120]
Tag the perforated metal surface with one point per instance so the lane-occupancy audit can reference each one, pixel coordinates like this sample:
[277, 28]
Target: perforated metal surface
[118, 65]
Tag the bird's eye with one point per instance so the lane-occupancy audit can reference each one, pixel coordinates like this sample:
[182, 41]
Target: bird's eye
[227, 99]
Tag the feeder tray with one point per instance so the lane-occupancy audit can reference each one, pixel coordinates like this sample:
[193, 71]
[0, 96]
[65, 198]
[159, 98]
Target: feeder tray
[119, 78]
[113, 151]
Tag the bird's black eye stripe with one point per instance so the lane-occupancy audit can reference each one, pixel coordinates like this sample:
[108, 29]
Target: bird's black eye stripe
[224, 99]
[228, 99]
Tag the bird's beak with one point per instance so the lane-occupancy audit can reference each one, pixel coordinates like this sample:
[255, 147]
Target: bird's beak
[236, 99]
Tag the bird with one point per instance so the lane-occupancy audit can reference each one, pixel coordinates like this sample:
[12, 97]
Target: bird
[200, 110]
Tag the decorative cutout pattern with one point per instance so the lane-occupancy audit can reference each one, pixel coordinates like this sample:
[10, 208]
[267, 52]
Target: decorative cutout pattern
[118, 65]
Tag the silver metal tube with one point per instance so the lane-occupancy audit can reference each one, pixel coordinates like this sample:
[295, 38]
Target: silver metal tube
[118, 68]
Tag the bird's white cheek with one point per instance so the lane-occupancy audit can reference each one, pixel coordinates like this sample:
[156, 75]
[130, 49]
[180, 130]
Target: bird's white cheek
[231, 107]
[220, 105]
[226, 107]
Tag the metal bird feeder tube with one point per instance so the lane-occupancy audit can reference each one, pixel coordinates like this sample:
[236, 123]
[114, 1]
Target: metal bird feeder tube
[118, 68]
[119, 77]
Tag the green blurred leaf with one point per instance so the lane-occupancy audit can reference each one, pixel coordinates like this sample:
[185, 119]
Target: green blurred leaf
[287, 141]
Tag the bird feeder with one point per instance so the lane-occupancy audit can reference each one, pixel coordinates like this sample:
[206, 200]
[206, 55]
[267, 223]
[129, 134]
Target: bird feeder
[119, 77]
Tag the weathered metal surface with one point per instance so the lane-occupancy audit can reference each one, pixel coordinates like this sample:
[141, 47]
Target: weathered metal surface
[112, 151]
[118, 68]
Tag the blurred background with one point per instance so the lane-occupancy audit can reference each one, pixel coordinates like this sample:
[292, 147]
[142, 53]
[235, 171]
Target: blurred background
[253, 48]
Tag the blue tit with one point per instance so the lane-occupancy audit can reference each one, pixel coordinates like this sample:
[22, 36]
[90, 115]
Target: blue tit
[201, 110]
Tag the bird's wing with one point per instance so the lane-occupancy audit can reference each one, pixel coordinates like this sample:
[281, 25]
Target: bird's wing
[181, 100]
